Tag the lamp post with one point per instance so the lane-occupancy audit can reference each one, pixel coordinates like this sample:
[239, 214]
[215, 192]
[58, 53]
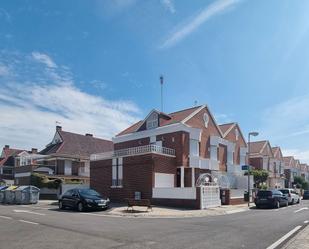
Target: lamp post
[254, 134]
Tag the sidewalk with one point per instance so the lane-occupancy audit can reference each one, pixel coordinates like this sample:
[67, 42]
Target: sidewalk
[167, 212]
[300, 241]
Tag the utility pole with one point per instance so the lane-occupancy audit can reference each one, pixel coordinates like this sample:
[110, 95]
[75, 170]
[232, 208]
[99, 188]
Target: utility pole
[161, 83]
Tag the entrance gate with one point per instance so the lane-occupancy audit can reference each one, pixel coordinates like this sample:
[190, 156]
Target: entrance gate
[210, 191]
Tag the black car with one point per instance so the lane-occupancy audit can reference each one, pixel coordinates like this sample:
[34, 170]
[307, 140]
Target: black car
[83, 199]
[270, 198]
[306, 195]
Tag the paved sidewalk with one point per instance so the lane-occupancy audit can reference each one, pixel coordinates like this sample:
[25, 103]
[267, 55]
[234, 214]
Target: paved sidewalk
[164, 212]
[300, 241]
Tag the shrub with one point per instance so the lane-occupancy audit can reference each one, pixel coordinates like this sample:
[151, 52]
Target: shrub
[42, 181]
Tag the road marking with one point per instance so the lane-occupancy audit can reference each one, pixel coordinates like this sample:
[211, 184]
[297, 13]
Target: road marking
[26, 211]
[301, 209]
[5, 217]
[283, 238]
[306, 221]
[29, 222]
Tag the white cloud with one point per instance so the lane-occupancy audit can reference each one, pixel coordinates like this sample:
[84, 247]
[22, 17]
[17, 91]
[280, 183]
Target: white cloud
[223, 118]
[169, 5]
[287, 124]
[212, 10]
[303, 156]
[29, 109]
[44, 58]
[4, 70]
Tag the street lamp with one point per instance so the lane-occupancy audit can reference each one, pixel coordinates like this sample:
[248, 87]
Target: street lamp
[254, 134]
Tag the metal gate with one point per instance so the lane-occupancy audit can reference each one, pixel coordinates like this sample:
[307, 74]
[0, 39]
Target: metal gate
[210, 196]
[210, 191]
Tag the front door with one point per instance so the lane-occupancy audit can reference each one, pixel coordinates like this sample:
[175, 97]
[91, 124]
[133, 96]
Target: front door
[178, 178]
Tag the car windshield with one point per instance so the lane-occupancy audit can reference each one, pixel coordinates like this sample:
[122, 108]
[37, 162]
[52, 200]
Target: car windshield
[264, 193]
[88, 192]
[284, 191]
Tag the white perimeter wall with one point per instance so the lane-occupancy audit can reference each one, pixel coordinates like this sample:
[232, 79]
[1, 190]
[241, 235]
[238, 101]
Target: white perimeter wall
[164, 180]
[174, 193]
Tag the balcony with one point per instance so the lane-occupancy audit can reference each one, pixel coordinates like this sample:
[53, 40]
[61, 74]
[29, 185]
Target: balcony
[203, 163]
[151, 148]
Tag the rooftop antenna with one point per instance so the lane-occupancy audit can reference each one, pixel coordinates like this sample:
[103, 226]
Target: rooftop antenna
[57, 123]
[161, 83]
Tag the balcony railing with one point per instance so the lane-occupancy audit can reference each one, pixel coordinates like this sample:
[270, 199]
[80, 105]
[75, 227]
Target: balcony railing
[203, 163]
[151, 148]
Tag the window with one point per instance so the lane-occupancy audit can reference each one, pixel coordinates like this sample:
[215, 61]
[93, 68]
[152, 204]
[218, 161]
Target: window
[206, 119]
[117, 172]
[236, 134]
[152, 121]
[194, 147]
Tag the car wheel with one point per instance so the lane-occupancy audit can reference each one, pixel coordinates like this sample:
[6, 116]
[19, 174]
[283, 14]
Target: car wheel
[80, 207]
[298, 201]
[258, 206]
[286, 204]
[61, 206]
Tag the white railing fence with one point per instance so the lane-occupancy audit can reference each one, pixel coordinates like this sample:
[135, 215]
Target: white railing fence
[151, 148]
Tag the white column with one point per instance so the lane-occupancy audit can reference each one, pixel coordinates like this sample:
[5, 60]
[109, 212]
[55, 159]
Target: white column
[182, 177]
[192, 177]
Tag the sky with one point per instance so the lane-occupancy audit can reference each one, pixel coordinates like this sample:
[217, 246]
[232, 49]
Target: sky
[94, 66]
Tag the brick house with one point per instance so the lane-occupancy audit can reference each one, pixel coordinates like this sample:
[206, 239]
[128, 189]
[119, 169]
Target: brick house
[7, 163]
[262, 157]
[67, 157]
[162, 156]
[289, 171]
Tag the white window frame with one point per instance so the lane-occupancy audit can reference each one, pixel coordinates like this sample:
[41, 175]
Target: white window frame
[117, 172]
[152, 121]
[194, 147]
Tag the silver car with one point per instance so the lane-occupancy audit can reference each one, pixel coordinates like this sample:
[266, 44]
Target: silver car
[293, 196]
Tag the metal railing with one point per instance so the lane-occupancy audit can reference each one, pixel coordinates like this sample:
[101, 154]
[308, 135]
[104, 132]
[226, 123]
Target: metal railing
[151, 148]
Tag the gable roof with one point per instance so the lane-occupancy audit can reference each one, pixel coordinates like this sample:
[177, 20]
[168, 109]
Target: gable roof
[288, 160]
[257, 147]
[174, 117]
[7, 153]
[228, 127]
[77, 145]
[277, 152]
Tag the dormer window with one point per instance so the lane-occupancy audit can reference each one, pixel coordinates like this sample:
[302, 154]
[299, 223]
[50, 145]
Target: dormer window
[152, 121]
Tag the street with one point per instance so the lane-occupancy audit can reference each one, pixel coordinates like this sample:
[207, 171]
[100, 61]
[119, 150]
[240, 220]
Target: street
[44, 226]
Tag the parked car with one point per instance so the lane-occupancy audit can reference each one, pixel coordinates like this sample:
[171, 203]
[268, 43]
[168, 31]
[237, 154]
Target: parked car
[306, 195]
[291, 194]
[270, 198]
[83, 199]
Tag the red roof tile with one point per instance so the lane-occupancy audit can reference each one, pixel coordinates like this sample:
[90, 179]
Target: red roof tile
[78, 145]
[174, 117]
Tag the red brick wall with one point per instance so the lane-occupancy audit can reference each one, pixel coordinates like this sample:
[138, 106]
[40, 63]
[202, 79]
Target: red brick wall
[132, 143]
[164, 164]
[222, 157]
[137, 176]
[198, 122]
[60, 167]
[256, 162]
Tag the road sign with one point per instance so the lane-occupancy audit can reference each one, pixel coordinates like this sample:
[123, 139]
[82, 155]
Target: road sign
[246, 167]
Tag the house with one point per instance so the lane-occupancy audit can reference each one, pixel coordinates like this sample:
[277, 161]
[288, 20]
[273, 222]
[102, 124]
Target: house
[162, 157]
[262, 157]
[7, 163]
[289, 171]
[66, 157]
[276, 173]
[304, 171]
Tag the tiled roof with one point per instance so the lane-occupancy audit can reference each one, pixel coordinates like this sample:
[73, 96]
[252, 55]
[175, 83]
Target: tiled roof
[225, 127]
[174, 117]
[78, 145]
[8, 152]
[288, 160]
[256, 147]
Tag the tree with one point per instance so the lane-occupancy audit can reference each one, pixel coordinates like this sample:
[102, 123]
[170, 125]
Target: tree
[259, 176]
[300, 182]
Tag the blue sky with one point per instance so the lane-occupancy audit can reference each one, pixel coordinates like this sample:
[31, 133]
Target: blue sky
[94, 66]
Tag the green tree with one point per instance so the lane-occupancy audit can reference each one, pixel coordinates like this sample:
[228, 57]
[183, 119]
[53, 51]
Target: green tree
[259, 176]
[300, 182]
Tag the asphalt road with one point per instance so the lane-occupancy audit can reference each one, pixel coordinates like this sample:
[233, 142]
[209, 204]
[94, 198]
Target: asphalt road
[47, 227]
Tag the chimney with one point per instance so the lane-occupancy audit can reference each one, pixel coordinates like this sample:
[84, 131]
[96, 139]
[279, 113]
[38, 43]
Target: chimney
[34, 150]
[89, 135]
[58, 128]
[6, 146]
